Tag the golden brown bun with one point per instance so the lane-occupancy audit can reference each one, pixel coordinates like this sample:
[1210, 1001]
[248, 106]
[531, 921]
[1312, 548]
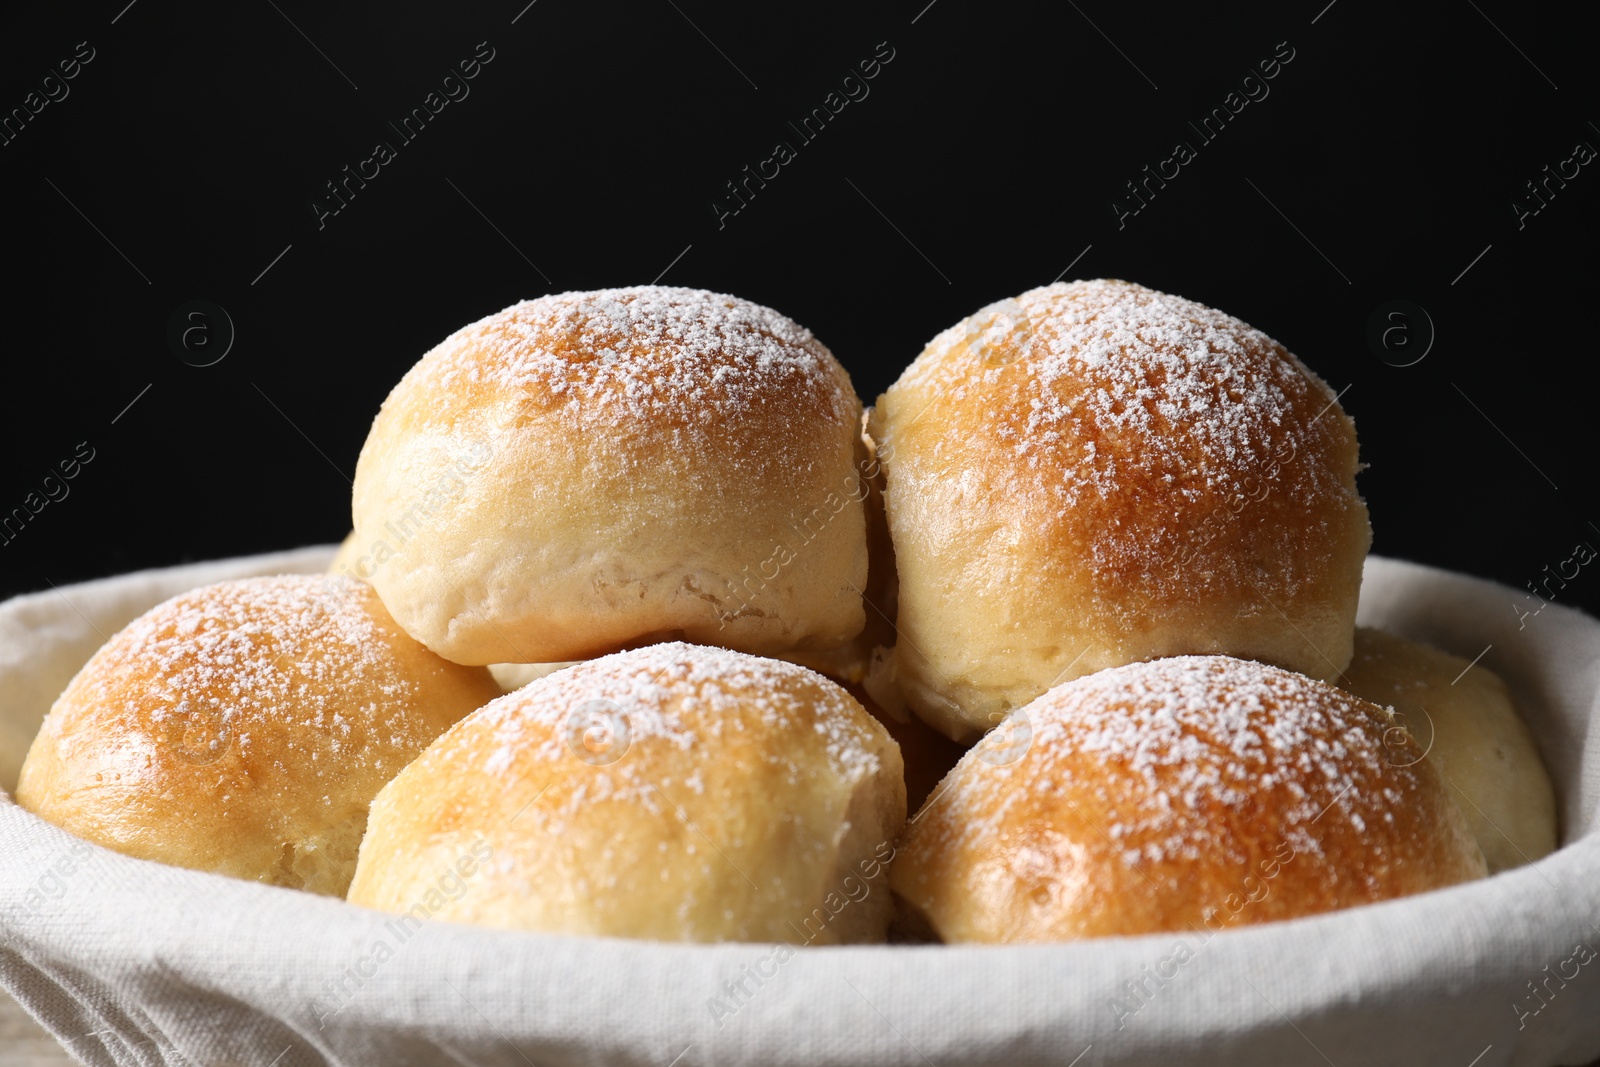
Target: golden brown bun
[1175, 794]
[242, 728]
[852, 661]
[1096, 473]
[508, 676]
[675, 792]
[847, 663]
[1470, 728]
[585, 472]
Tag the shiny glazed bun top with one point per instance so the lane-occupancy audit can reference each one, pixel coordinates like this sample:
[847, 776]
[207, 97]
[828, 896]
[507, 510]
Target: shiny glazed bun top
[591, 470]
[1096, 473]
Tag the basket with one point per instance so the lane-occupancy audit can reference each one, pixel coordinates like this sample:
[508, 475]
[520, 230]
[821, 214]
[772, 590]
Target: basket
[132, 962]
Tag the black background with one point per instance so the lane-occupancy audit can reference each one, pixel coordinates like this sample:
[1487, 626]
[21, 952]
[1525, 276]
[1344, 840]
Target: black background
[983, 162]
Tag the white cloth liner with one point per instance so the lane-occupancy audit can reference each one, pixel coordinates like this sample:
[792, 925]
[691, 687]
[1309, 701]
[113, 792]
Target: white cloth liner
[130, 962]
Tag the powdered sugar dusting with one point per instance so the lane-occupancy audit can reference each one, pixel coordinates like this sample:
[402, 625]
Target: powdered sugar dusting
[1116, 392]
[225, 661]
[1181, 747]
[646, 355]
[657, 704]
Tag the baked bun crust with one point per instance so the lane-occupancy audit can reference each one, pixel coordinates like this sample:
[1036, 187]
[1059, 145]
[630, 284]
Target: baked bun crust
[850, 662]
[1469, 726]
[507, 676]
[592, 471]
[1198, 791]
[242, 728]
[1096, 473]
[675, 793]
